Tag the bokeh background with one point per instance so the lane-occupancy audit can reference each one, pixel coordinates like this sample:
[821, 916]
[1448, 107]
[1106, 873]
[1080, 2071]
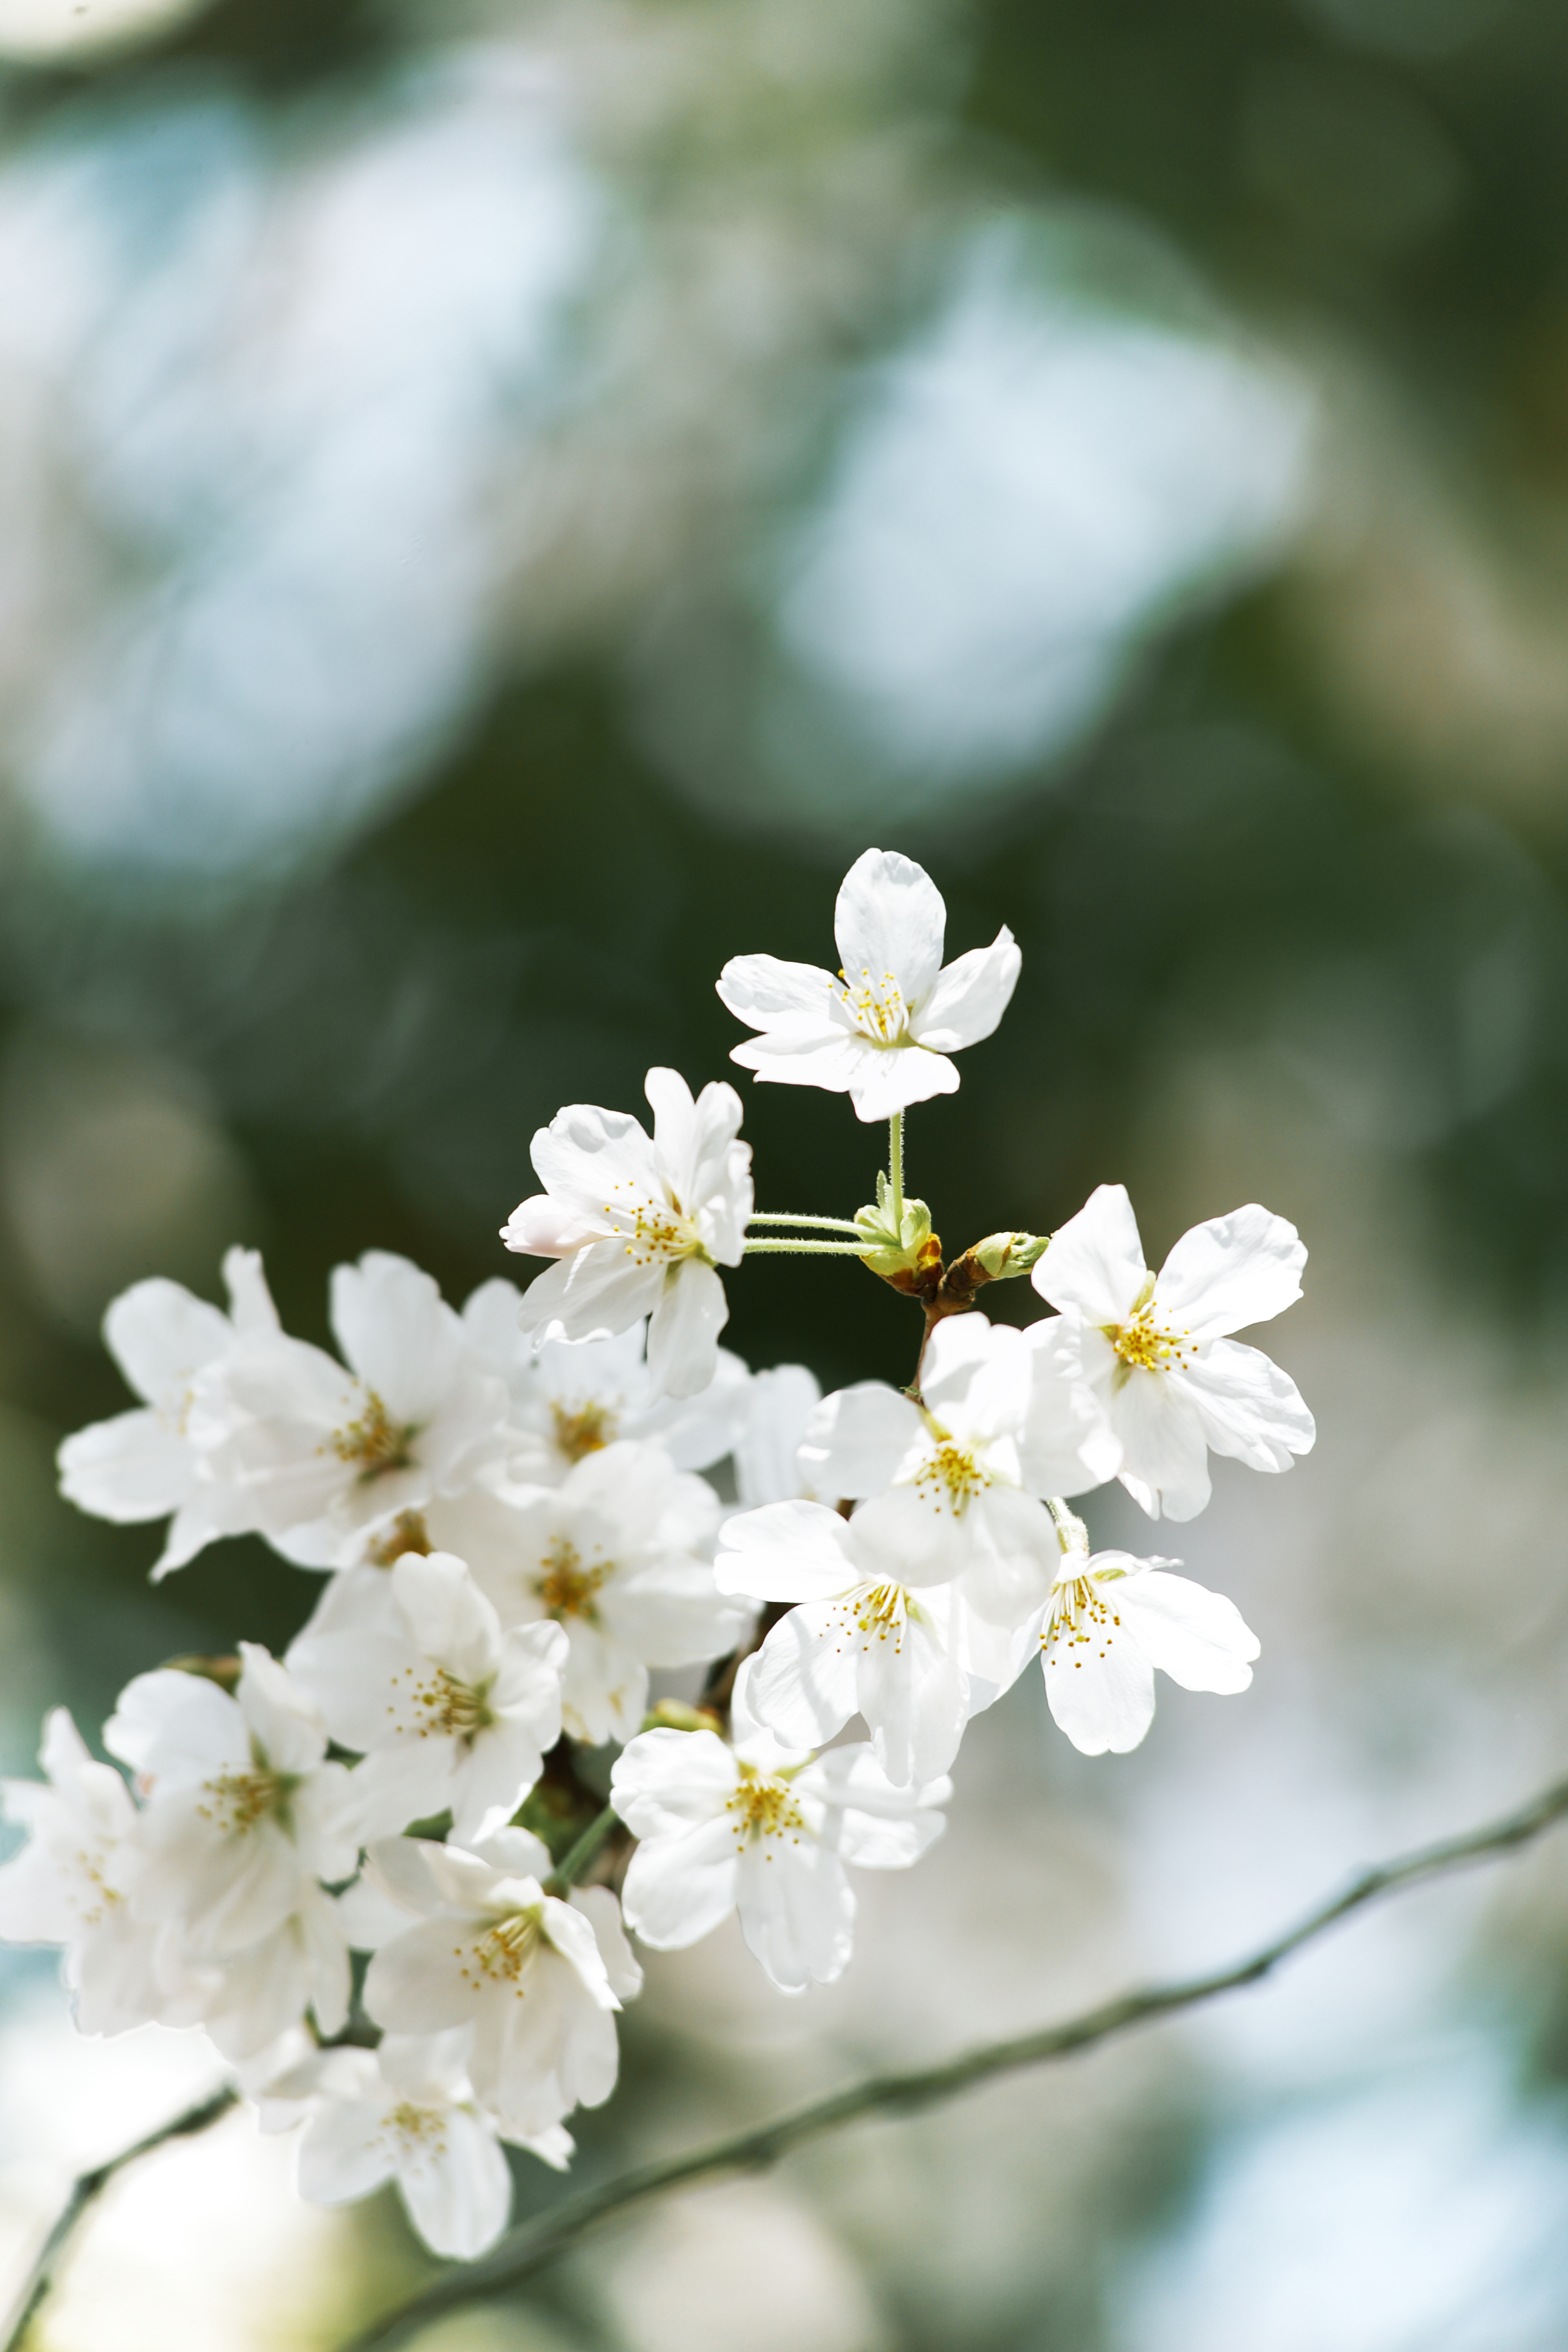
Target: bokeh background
[499, 502]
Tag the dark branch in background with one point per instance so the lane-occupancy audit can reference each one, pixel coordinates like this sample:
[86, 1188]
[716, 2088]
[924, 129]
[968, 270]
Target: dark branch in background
[86, 2190]
[528, 2250]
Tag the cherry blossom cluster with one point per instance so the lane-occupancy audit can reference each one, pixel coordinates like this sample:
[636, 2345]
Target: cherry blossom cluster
[390, 1874]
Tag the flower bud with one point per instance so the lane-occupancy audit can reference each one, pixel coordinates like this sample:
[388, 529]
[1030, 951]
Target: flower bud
[1002, 1256]
[895, 1245]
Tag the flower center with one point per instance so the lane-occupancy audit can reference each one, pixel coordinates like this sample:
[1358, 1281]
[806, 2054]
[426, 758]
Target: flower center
[503, 1952]
[877, 1008]
[416, 2131]
[241, 1799]
[587, 1431]
[567, 1587]
[375, 1444]
[1144, 1346]
[1081, 1618]
[445, 1709]
[952, 1477]
[653, 1229]
[407, 1532]
[764, 1808]
[874, 1612]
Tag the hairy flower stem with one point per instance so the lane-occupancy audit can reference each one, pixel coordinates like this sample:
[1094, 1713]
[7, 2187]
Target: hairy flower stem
[788, 1217]
[896, 1165]
[525, 2251]
[805, 1249]
[577, 1857]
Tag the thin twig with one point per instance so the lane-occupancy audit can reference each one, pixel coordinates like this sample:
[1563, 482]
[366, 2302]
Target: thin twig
[528, 2250]
[575, 1860]
[85, 2192]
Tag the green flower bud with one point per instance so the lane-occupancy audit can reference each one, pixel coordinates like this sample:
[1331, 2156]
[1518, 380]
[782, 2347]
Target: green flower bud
[1002, 1256]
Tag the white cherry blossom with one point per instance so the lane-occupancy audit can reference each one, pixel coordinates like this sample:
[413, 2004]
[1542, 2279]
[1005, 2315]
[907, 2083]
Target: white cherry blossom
[569, 1398]
[1111, 1620]
[536, 1980]
[639, 1226]
[243, 1813]
[322, 1456]
[881, 1032]
[410, 1667]
[766, 1831]
[247, 1999]
[144, 1465]
[618, 1555]
[916, 1663]
[68, 1883]
[1155, 1352]
[956, 1483]
[403, 2112]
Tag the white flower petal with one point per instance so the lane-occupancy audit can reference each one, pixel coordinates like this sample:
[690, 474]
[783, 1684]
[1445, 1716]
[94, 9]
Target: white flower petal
[679, 1888]
[1248, 1408]
[804, 1684]
[1233, 1271]
[1095, 1262]
[971, 996]
[161, 1336]
[585, 1152]
[459, 2197]
[344, 2153]
[664, 1781]
[784, 1551]
[448, 1615]
[890, 920]
[131, 1468]
[889, 1079]
[595, 1294]
[859, 1439]
[1165, 1463]
[779, 1403]
[683, 1334]
[1101, 1693]
[1197, 1637]
[762, 990]
[798, 1913]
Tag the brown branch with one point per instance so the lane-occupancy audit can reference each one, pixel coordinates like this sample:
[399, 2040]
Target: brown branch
[525, 2251]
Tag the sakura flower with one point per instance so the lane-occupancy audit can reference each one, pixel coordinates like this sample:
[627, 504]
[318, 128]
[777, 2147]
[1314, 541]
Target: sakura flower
[411, 1667]
[536, 1980]
[67, 1884]
[1111, 1620]
[1154, 1351]
[323, 1456]
[405, 2111]
[639, 1226]
[766, 1831]
[617, 1555]
[144, 1465]
[244, 1814]
[570, 1397]
[882, 1030]
[917, 1664]
[956, 1482]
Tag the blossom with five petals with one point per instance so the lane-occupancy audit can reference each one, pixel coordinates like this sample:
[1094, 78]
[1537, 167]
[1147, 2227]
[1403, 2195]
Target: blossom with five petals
[244, 1814]
[324, 1458]
[917, 1664]
[639, 1224]
[144, 1465]
[766, 1831]
[882, 1032]
[411, 1667]
[1155, 1352]
[956, 1483]
[619, 1555]
[1111, 1619]
[569, 1398]
[70, 1883]
[403, 2112]
[536, 1981]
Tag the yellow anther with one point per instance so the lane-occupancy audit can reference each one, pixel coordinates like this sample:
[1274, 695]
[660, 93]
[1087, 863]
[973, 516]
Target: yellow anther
[566, 1588]
[376, 1443]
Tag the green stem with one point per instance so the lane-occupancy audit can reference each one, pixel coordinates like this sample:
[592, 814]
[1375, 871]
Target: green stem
[577, 1858]
[896, 1165]
[806, 1249]
[788, 1217]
